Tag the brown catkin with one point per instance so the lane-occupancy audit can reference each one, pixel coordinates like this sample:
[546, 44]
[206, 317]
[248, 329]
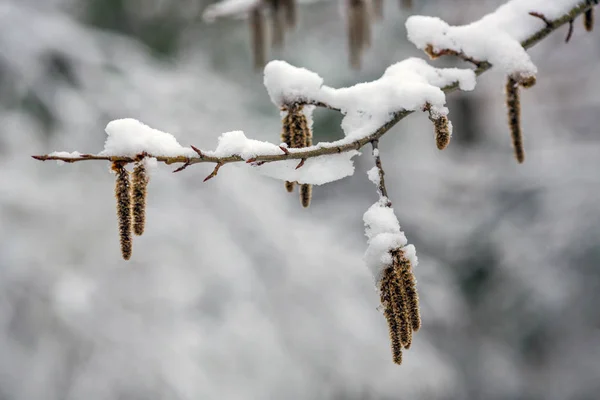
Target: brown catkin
[297, 134]
[123, 196]
[403, 269]
[441, 126]
[288, 133]
[305, 194]
[359, 30]
[588, 20]
[377, 9]
[401, 311]
[406, 3]
[289, 186]
[386, 296]
[277, 23]
[138, 194]
[528, 81]
[513, 105]
[290, 11]
[257, 37]
[305, 188]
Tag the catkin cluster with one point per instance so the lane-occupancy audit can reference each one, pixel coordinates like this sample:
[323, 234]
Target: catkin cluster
[273, 18]
[131, 203]
[400, 301]
[296, 134]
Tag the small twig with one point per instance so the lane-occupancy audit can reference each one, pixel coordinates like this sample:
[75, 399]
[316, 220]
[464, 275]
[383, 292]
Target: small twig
[381, 187]
[184, 166]
[570, 32]
[214, 173]
[542, 17]
[301, 163]
[198, 151]
[285, 150]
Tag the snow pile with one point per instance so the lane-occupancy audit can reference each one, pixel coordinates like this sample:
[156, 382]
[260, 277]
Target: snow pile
[236, 143]
[495, 38]
[287, 84]
[407, 85]
[129, 137]
[384, 235]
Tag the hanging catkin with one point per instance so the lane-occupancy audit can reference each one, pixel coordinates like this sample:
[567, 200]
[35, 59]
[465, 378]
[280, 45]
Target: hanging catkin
[513, 105]
[258, 38]
[386, 291]
[139, 193]
[123, 196]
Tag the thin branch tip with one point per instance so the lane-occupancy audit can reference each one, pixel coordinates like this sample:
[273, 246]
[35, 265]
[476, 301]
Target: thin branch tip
[198, 151]
[215, 172]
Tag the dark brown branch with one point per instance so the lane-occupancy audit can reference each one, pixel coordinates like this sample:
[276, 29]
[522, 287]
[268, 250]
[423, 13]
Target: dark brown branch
[542, 17]
[570, 32]
[381, 186]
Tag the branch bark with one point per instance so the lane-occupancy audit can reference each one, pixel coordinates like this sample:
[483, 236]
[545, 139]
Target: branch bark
[330, 148]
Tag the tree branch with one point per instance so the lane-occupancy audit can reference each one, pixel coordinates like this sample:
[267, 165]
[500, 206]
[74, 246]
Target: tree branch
[331, 148]
[381, 184]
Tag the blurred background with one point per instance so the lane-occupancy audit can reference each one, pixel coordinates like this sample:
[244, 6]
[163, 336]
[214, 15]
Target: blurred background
[235, 291]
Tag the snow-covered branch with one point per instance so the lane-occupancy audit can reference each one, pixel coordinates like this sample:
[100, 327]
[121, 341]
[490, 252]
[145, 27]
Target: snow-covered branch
[405, 87]
[370, 110]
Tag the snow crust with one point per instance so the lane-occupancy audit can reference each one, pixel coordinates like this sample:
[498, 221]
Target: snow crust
[384, 235]
[129, 137]
[495, 38]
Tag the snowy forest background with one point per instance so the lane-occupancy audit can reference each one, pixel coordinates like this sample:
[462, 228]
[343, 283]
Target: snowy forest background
[235, 291]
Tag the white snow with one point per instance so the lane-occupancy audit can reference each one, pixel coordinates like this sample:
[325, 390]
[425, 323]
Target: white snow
[373, 175]
[287, 84]
[236, 143]
[129, 137]
[406, 85]
[495, 38]
[316, 171]
[383, 235]
[228, 8]
[65, 154]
